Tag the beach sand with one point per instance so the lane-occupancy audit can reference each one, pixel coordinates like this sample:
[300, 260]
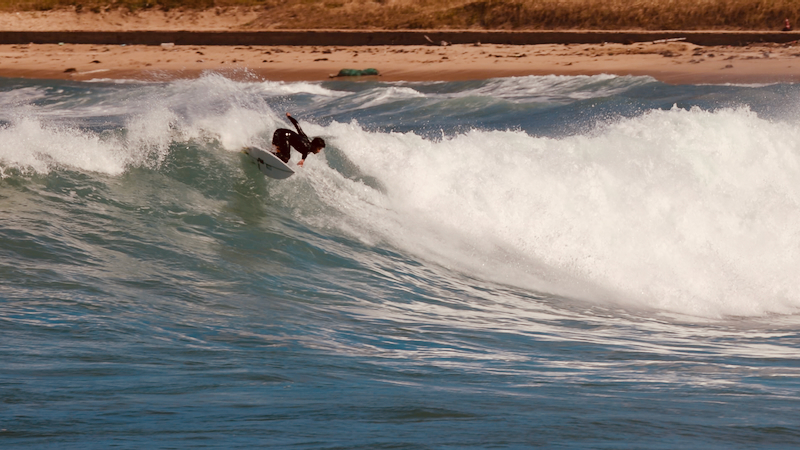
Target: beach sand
[671, 62]
[676, 63]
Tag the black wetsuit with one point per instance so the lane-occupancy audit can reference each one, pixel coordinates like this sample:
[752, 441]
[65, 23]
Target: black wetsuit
[283, 138]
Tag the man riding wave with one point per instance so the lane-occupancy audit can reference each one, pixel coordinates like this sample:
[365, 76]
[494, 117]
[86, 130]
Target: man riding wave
[283, 139]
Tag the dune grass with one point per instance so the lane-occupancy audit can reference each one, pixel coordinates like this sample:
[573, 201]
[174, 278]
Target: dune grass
[474, 14]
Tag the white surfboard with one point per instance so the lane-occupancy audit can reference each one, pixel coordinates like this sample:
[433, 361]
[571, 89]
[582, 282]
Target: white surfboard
[269, 164]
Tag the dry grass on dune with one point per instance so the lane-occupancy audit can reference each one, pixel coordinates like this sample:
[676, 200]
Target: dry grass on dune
[474, 14]
[538, 14]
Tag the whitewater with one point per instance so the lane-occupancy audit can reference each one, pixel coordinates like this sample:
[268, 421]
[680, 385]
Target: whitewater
[557, 262]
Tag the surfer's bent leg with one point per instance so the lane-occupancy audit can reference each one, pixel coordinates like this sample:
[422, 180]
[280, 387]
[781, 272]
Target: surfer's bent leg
[280, 144]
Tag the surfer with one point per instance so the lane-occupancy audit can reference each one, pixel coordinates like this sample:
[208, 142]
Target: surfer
[283, 139]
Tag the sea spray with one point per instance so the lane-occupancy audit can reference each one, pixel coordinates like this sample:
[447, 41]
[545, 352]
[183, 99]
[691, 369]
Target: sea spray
[28, 145]
[689, 211]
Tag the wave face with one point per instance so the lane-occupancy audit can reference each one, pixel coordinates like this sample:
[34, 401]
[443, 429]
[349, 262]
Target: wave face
[516, 262]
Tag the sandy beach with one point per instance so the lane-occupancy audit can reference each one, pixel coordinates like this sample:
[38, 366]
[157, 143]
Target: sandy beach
[676, 63]
[671, 62]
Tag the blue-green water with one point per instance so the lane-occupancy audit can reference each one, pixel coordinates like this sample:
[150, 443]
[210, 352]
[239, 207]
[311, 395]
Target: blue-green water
[559, 262]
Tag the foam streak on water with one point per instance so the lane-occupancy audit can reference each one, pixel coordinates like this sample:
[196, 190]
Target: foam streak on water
[512, 263]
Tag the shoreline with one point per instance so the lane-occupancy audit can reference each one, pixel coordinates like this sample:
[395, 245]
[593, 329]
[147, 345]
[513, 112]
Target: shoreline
[670, 62]
[153, 45]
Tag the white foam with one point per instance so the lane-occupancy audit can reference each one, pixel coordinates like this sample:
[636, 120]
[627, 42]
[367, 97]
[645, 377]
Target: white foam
[118, 81]
[691, 212]
[39, 138]
[385, 95]
[28, 145]
[282, 88]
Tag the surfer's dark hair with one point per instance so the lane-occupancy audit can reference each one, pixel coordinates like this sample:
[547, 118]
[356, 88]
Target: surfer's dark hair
[318, 142]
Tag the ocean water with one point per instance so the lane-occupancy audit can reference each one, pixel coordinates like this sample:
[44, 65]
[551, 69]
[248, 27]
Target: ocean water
[536, 262]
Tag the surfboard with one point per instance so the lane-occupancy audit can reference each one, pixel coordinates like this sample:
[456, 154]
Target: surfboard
[269, 164]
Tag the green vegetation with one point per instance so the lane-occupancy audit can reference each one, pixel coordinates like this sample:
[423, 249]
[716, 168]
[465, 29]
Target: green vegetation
[474, 14]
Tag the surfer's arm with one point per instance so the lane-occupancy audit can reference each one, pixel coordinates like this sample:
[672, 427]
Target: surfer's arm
[296, 125]
[303, 159]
